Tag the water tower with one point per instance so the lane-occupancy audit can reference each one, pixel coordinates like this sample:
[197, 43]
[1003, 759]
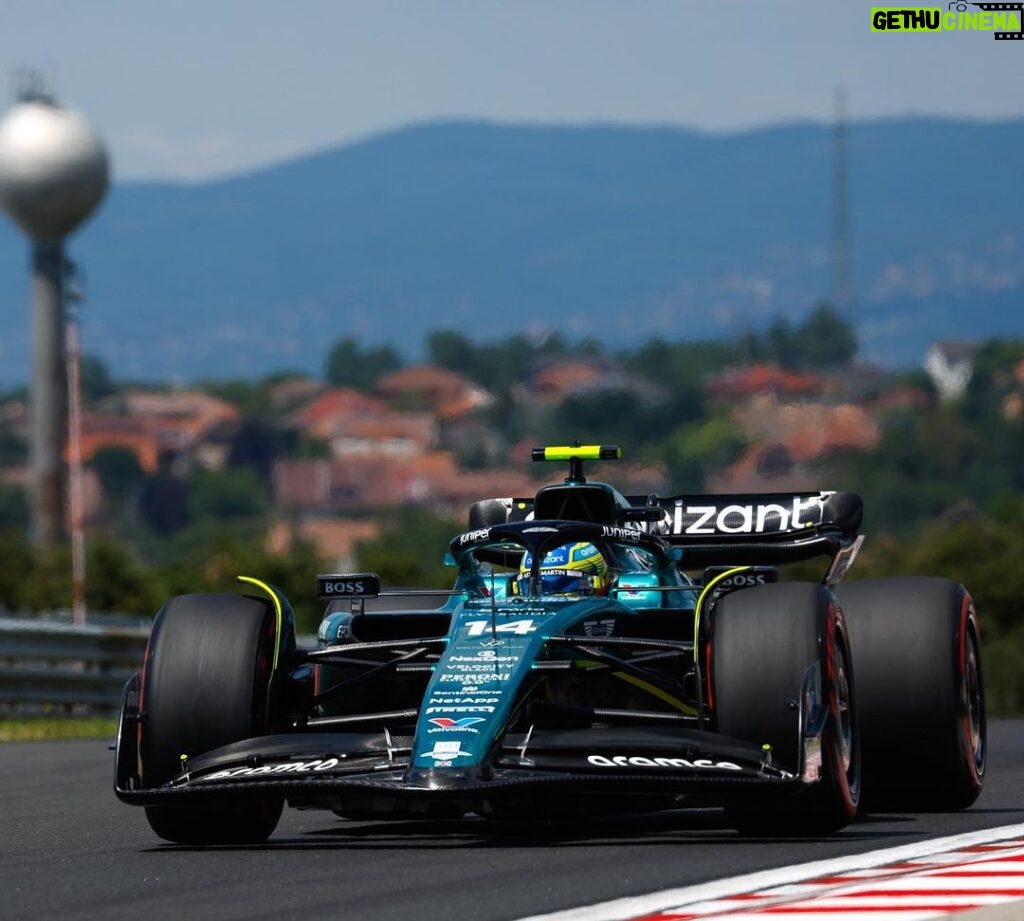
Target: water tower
[53, 174]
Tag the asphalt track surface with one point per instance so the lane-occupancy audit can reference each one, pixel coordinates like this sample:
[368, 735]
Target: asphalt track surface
[69, 849]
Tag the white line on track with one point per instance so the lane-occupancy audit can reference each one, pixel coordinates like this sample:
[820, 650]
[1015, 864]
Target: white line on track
[685, 899]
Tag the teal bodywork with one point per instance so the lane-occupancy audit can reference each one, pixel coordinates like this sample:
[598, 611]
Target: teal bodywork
[497, 638]
[489, 657]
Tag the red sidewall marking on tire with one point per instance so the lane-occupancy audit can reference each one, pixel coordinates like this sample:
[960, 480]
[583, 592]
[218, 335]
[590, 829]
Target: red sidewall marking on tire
[836, 730]
[966, 736]
[142, 701]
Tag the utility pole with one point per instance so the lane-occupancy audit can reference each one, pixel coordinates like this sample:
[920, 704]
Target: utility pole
[842, 256]
[76, 500]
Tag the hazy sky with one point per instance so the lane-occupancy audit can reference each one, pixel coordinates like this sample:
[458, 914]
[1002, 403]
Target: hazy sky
[196, 88]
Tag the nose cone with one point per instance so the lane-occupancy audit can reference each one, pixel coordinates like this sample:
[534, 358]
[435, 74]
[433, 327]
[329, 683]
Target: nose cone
[53, 169]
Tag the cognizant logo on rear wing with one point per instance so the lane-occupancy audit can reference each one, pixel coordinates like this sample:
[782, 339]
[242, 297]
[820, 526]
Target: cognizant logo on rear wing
[747, 518]
[788, 515]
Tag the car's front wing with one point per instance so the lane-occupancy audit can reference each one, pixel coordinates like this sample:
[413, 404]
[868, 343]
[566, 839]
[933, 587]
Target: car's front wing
[316, 767]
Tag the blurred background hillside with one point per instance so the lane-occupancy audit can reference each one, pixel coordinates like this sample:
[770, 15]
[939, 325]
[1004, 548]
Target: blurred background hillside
[614, 233]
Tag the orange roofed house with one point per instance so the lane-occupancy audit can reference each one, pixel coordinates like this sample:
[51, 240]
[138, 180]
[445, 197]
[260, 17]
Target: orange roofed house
[444, 393]
[150, 423]
[788, 438]
[353, 422]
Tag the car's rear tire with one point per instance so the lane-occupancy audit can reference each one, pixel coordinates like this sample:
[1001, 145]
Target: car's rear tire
[918, 659]
[206, 683]
[763, 641]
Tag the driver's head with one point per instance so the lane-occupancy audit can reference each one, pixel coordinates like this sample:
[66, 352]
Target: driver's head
[572, 569]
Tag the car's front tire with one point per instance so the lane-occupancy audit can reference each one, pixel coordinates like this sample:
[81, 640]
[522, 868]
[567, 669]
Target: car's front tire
[763, 641]
[206, 683]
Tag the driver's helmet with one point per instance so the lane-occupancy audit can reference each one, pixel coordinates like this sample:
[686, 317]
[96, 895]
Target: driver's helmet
[572, 569]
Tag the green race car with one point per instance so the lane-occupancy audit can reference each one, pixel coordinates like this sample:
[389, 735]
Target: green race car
[597, 652]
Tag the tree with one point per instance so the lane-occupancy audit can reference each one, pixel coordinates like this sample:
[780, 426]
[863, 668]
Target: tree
[451, 350]
[824, 339]
[606, 416]
[249, 396]
[13, 449]
[118, 471]
[95, 380]
[226, 494]
[163, 499]
[119, 583]
[992, 378]
[781, 344]
[209, 555]
[17, 572]
[255, 446]
[497, 365]
[13, 508]
[681, 368]
[348, 364]
[408, 551]
[694, 452]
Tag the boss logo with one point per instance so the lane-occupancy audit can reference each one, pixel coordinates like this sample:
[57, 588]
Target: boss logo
[358, 585]
[744, 579]
[344, 588]
[725, 581]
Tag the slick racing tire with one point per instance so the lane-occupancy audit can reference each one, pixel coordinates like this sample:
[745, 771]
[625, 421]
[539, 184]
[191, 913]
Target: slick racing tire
[922, 701]
[765, 641]
[206, 683]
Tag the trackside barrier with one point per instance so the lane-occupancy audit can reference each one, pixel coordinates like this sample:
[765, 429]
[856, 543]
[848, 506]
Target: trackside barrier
[82, 670]
[45, 665]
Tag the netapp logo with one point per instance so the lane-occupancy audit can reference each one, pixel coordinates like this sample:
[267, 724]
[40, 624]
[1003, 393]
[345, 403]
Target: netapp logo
[450, 709]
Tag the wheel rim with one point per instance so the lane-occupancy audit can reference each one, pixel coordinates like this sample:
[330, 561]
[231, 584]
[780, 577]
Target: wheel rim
[975, 702]
[845, 708]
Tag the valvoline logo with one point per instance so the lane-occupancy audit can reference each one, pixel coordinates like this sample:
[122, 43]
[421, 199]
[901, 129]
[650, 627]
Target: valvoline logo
[446, 722]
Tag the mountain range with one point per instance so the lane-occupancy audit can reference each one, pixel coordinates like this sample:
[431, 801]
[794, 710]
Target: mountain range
[615, 232]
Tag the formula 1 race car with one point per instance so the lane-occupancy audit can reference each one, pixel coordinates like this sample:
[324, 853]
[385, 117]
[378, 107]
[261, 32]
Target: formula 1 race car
[597, 652]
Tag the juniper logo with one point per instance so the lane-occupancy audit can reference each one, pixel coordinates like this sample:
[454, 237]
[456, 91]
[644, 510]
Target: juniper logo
[1003, 20]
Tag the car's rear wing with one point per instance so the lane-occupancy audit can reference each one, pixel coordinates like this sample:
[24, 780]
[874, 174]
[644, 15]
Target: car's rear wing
[753, 528]
[765, 528]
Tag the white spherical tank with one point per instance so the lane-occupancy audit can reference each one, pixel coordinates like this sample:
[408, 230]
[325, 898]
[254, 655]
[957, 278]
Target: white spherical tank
[53, 169]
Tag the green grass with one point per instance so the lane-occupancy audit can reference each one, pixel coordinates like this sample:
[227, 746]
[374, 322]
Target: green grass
[56, 727]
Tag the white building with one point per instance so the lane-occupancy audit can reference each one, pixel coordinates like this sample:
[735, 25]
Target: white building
[950, 366]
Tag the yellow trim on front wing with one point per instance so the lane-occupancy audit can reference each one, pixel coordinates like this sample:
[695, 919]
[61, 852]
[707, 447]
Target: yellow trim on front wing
[643, 685]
